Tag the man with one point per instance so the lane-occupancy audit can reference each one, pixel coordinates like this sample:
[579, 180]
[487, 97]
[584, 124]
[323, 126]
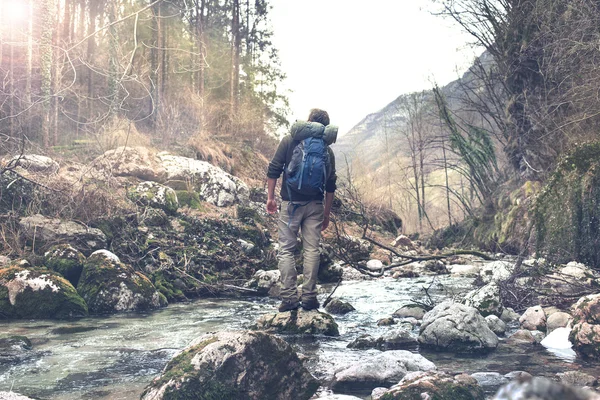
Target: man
[307, 212]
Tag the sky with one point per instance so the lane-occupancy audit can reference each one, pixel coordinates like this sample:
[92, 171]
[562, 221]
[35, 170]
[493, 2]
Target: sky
[351, 57]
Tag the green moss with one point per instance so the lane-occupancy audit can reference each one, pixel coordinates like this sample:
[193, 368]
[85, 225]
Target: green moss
[567, 211]
[65, 260]
[181, 365]
[190, 199]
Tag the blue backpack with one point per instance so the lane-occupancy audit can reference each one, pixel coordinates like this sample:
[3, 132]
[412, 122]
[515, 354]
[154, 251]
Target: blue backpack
[309, 168]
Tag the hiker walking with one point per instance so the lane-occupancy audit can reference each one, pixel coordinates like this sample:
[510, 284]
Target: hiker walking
[309, 178]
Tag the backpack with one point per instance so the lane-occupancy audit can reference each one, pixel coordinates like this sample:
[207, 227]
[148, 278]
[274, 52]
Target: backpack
[309, 168]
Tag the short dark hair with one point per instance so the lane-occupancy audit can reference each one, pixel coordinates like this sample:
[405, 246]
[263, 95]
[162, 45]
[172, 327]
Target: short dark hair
[317, 115]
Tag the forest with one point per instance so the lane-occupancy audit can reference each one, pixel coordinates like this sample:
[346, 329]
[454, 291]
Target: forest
[90, 72]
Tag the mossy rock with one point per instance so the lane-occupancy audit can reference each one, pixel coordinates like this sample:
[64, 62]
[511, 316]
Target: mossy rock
[567, 209]
[109, 286]
[435, 386]
[38, 293]
[234, 365]
[153, 194]
[66, 260]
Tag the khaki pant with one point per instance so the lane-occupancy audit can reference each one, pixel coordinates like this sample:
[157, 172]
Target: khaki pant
[308, 219]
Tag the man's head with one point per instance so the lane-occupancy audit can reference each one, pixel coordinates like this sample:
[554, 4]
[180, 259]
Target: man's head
[320, 116]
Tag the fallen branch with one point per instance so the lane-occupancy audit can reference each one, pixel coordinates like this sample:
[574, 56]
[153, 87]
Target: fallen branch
[219, 288]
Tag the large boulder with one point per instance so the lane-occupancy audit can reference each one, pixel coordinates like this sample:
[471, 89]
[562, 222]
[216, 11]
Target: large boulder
[52, 231]
[379, 369]
[299, 322]
[138, 162]
[109, 286]
[234, 365]
[37, 293]
[214, 185]
[456, 327]
[542, 389]
[486, 300]
[496, 271]
[155, 195]
[66, 260]
[534, 318]
[434, 385]
[585, 334]
[35, 163]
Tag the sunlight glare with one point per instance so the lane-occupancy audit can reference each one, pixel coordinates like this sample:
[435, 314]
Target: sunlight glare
[14, 10]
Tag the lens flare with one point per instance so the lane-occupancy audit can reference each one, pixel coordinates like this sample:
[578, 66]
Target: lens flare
[14, 11]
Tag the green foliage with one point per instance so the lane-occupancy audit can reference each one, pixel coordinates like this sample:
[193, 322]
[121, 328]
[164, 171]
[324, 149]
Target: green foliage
[475, 147]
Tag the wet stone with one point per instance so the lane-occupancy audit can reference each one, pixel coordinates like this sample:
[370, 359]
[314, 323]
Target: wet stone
[299, 322]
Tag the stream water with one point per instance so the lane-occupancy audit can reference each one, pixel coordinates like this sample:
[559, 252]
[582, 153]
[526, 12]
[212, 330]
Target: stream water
[115, 357]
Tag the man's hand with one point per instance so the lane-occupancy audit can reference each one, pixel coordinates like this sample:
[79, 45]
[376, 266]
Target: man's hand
[325, 223]
[271, 206]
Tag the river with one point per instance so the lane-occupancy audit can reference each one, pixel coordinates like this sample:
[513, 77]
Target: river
[115, 357]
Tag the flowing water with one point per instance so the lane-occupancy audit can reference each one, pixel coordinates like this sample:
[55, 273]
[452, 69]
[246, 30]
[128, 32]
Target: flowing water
[115, 357]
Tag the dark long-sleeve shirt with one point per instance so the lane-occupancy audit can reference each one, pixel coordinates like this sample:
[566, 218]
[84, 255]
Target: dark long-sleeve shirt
[283, 156]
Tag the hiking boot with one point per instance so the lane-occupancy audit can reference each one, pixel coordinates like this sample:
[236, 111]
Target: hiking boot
[310, 304]
[288, 305]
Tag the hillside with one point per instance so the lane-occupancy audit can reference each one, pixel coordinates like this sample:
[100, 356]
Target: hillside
[387, 147]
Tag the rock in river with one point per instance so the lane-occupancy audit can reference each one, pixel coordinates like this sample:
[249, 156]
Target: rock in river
[379, 369]
[486, 300]
[337, 306]
[299, 322]
[456, 327]
[434, 385]
[542, 389]
[534, 318]
[12, 396]
[234, 365]
[109, 286]
[38, 293]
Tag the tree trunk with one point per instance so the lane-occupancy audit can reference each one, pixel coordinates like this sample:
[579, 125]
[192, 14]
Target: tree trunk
[200, 34]
[447, 182]
[11, 79]
[29, 67]
[235, 61]
[55, 77]
[113, 78]
[47, 28]
[91, 50]
[156, 57]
